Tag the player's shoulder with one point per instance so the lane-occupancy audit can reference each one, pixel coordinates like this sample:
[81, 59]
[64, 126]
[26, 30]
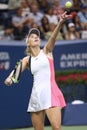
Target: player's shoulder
[26, 59]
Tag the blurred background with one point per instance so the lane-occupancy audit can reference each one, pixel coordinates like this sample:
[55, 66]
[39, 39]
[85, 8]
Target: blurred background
[70, 57]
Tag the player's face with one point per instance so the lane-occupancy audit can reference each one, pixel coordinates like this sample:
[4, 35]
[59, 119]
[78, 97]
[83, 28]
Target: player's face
[33, 40]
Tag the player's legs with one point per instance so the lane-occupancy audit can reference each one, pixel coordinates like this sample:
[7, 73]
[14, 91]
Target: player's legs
[38, 120]
[54, 116]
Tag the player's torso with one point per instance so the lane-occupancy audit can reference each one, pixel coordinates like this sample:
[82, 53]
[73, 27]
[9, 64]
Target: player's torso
[40, 69]
[39, 63]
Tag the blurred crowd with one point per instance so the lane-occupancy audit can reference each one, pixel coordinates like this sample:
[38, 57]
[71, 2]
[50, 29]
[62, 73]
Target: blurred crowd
[18, 16]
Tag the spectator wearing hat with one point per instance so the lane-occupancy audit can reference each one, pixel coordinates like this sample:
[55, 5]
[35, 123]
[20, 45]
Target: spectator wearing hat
[72, 34]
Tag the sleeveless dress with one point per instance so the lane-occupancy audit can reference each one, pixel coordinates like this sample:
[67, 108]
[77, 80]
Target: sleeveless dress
[45, 92]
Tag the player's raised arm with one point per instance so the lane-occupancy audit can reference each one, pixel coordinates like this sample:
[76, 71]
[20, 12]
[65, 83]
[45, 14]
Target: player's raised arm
[14, 76]
[50, 44]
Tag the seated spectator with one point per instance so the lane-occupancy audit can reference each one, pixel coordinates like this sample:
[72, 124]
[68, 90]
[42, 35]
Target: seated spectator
[56, 6]
[43, 5]
[84, 32]
[12, 5]
[72, 34]
[51, 16]
[82, 14]
[25, 8]
[6, 32]
[35, 13]
[45, 24]
[20, 24]
[8, 27]
[77, 23]
[49, 33]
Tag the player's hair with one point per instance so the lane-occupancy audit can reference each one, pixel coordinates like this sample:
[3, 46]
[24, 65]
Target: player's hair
[27, 51]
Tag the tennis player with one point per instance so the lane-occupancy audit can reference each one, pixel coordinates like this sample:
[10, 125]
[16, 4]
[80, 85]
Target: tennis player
[46, 97]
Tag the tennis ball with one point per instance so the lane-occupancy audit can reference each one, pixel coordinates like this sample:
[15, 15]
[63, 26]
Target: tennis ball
[68, 4]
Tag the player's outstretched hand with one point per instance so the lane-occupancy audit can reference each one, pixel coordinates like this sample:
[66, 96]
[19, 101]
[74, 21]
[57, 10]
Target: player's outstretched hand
[64, 16]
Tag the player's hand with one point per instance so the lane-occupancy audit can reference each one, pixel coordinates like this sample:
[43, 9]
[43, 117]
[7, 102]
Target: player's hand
[64, 16]
[8, 81]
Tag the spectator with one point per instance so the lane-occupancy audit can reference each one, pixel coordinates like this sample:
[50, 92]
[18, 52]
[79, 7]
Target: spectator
[56, 6]
[25, 8]
[84, 32]
[82, 14]
[36, 14]
[72, 34]
[42, 5]
[51, 16]
[49, 33]
[77, 23]
[20, 24]
[12, 5]
[45, 24]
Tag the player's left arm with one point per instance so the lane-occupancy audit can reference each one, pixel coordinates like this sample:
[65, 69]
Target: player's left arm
[51, 42]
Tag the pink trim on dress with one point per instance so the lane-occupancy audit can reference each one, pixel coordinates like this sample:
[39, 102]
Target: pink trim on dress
[57, 98]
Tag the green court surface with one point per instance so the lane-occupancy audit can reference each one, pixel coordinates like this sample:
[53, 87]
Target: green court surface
[63, 128]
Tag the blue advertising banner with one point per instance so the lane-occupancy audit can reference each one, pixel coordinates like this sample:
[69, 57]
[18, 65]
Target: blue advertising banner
[71, 56]
[14, 100]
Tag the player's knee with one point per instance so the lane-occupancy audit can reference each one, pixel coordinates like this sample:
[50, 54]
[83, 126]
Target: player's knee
[56, 126]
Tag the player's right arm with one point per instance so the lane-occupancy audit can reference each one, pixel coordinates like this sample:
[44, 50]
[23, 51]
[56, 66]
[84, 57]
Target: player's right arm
[16, 72]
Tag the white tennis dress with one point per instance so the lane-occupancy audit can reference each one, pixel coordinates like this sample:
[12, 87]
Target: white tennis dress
[45, 92]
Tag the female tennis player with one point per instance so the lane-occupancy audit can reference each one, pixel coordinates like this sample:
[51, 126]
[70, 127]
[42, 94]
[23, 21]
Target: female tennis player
[46, 97]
